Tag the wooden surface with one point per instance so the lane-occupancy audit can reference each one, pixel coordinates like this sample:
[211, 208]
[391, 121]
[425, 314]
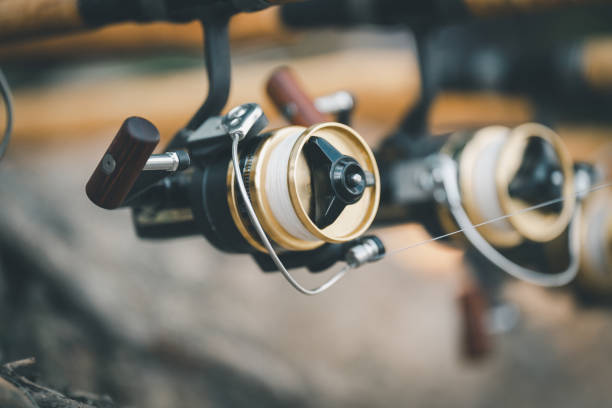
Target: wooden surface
[384, 82]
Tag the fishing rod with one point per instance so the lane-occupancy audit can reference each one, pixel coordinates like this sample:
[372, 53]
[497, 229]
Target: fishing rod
[565, 78]
[347, 13]
[304, 196]
[25, 19]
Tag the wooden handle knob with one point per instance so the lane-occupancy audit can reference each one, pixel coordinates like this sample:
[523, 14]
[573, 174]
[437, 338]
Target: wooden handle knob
[289, 97]
[476, 341]
[122, 163]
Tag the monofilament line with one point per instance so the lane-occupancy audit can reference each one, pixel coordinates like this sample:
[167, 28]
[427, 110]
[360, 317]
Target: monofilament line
[524, 210]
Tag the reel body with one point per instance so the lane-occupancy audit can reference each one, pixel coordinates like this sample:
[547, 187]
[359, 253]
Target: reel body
[510, 192]
[304, 191]
[308, 187]
[502, 172]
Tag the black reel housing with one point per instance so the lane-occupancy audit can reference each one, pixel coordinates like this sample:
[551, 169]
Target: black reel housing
[196, 201]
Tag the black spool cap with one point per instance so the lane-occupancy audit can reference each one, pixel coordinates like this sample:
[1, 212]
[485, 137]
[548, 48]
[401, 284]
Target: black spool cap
[337, 181]
[540, 177]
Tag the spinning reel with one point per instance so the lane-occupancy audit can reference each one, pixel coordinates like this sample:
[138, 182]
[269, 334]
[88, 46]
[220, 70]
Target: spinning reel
[509, 191]
[291, 197]
[313, 191]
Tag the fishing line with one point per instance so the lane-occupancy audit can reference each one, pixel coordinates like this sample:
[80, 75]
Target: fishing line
[504, 217]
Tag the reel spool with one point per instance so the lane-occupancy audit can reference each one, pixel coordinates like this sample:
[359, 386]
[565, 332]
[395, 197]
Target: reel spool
[595, 273]
[503, 171]
[308, 186]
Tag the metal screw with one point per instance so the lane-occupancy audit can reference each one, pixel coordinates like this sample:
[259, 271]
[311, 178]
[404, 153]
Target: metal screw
[556, 178]
[355, 179]
[108, 164]
[240, 111]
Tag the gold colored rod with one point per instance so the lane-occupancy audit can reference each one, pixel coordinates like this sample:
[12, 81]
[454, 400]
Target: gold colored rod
[23, 18]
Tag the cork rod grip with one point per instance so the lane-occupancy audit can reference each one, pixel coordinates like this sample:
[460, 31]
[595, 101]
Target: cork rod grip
[122, 163]
[287, 94]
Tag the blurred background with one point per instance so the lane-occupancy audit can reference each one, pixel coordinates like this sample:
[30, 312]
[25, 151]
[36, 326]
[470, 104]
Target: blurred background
[178, 323]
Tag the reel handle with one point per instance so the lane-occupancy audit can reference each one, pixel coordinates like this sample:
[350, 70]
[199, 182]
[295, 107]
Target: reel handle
[475, 339]
[289, 97]
[122, 163]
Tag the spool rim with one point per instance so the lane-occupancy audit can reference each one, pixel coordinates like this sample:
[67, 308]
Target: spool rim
[534, 225]
[373, 196]
[238, 221]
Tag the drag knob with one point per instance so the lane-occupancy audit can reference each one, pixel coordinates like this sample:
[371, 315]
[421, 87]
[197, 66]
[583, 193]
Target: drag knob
[337, 181]
[122, 163]
[539, 177]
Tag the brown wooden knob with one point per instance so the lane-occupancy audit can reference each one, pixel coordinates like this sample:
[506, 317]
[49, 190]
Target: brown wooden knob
[476, 341]
[291, 100]
[122, 163]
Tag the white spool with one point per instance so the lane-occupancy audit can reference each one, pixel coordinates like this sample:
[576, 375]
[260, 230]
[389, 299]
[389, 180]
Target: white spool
[596, 239]
[277, 190]
[483, 180]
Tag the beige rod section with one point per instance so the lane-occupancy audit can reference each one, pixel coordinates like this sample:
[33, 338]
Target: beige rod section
[22, 18]
[263, 26]
[384, 81]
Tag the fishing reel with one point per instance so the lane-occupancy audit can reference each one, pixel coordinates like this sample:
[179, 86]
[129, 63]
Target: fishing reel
[508, 190]
[308, 194]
